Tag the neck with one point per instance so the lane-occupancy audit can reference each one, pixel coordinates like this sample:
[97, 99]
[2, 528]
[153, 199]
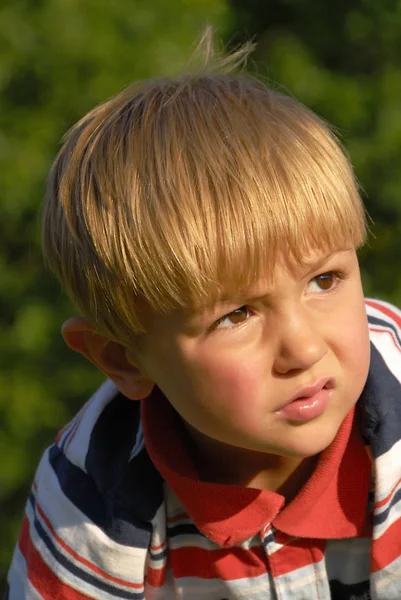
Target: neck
[220, 463]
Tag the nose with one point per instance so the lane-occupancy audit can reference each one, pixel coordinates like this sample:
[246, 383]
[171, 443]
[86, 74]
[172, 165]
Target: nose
[300, 342]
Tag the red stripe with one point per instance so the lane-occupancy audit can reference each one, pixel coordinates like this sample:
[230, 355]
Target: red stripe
[390, 333]
[388, 497]
[385, 310]
[83, 560]
[63, 430]
[387, 548]
[282, 538]
[77, 424]
[159, 547]
[299, 553]
[156, 577]
[73, 423]
[226, 563]
[43, 579]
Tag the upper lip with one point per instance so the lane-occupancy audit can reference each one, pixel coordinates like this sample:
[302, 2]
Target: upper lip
[310, 390]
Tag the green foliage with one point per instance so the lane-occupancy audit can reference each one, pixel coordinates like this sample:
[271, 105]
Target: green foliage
[342, 59]
[59, 58]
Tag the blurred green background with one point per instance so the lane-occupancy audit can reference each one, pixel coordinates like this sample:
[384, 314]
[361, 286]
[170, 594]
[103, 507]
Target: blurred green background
[59, 58]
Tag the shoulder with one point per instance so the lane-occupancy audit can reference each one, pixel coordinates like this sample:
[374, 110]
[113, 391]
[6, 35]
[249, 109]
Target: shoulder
[73, 440]
[381, 411]
[385, 332]
[90, 514]
[108, 425]
[100, 463]
[381, 398]
[381, 313]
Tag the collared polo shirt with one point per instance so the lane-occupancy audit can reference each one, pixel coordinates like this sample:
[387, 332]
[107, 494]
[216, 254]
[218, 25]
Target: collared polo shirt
[245, 542]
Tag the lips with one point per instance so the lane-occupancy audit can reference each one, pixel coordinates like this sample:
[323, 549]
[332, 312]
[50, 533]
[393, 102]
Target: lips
[311, 390]
[308, 402]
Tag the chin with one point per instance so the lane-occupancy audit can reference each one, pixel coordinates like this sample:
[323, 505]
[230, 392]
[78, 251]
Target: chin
[304, 440]
[307, 445]
[305, 450]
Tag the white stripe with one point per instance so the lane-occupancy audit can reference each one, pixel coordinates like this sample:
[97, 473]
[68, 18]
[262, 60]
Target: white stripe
[78, 447]
[387, 471]
[393, 515]
[309, 582]
[386, 582]
[158, 539]
[84, 567]
[139, 443]
[248, 588]
[388, 332]
[60, 572]
[377, 311]
[82, 535]
[391, 354]
[63, 574]
[67, 430]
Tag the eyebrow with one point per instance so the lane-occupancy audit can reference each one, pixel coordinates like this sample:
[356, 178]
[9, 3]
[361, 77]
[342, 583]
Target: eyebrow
[306, 267]
[310, 265]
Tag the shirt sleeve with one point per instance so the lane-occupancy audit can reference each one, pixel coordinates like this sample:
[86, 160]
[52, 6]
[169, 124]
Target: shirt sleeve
[79, 539]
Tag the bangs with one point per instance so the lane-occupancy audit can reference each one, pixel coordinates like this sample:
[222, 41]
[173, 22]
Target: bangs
[251, 223]
[181, 191]
[221, 209]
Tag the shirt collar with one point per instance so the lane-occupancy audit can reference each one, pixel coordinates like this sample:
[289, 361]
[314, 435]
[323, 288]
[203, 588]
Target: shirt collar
[332, 503]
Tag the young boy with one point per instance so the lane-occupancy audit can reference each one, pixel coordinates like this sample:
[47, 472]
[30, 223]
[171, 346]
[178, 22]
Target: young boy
[247, 441]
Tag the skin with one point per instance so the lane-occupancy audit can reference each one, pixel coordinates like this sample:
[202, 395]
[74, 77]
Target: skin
[228, 369]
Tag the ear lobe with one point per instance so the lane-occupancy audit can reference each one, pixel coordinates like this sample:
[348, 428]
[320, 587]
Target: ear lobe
[108, 356]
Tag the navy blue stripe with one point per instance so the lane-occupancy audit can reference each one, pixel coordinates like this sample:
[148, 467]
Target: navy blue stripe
[386, 325]
[117, 522]
[383, 516]
[380, 406]
[67, 434]
[74, 569]
[268, 539]
[132, 482]
[185, 529]
[111, 441]
[158, 555]
[343, 591]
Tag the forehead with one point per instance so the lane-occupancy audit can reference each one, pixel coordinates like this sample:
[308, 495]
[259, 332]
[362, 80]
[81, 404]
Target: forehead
[286, 269]
[285, 264]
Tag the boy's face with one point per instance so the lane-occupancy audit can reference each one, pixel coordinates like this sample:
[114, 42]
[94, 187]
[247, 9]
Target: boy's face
[232, 371]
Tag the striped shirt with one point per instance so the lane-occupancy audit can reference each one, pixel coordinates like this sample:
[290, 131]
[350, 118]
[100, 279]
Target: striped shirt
[110, 518]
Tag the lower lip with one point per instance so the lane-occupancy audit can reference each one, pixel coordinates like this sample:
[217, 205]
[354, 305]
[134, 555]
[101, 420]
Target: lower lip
[307, 408]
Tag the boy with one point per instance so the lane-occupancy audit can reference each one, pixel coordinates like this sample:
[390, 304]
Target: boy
[206, 227]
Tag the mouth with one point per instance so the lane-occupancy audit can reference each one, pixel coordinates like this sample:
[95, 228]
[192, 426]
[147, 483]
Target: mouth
[309, 401]
[324, 383]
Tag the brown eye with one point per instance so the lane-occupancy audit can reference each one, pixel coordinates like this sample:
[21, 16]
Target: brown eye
[233, 318]
[325, 281]
[239, 315]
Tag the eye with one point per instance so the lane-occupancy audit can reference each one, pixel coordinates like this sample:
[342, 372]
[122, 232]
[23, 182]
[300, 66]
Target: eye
[233, 318]
[324, 282]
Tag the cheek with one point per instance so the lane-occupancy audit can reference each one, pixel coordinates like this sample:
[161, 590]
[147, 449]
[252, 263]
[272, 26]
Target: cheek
[354, 343]
[224, 387]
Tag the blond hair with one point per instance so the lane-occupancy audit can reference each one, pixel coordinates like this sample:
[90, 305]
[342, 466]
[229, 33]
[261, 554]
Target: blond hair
[180, 189]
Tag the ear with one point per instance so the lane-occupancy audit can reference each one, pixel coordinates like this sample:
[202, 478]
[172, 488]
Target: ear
[108, 356]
